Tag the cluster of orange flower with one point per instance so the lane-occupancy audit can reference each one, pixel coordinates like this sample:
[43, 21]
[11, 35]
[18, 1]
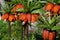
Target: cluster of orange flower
[17, 6]
[50, 35]
[28, 17]
[9, 17]
[53, 8]
[22, 16]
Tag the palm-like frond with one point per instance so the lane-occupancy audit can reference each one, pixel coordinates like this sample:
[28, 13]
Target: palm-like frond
[50, 23]
[29, 5]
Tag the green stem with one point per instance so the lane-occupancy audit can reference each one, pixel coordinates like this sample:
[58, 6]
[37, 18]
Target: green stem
[49, 18]
[44, 20]
[28, 6]
[9, 31]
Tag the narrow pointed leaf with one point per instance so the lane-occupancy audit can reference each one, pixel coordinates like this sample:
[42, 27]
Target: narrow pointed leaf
[56, 28]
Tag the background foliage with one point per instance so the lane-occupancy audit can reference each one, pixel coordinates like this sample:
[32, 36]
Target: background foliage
[16, 27]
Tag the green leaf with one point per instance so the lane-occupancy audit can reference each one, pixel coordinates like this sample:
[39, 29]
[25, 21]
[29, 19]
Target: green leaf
[53, 20]
[36, 11]
[58, 1]
[35, 6]
[51, 1]
[56, 28]
[1, 11]
[43, 26]
[41, 11]
[20, 10]
[42, 1]
[58, 19]
[30, 0]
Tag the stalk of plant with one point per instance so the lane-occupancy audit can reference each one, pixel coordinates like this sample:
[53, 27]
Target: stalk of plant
[9, 31]
[10, 19]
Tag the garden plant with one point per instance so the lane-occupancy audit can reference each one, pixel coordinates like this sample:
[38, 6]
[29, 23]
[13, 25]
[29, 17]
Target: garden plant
[30, 20]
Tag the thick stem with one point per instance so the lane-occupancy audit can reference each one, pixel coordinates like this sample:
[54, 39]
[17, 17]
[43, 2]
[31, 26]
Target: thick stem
[27, 32]
[9, 30]
[24, 32]
[22, 38]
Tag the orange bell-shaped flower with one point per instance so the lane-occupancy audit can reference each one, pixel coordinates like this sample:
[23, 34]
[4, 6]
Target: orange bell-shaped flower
[51, 35]
[11, 18]
[5, 16]
[17, 6]
[49, 6]
[55, 9]
[45, 34]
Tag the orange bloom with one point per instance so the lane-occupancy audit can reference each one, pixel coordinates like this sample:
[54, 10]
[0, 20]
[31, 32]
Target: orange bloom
[29, 16]
[17, 6]
[55, 9]
[5, 16]
[45, 34]
[16, 17]
[59, 12]
[22, 16]
[51, 36]
[32, 17]
[36, 15]
[11, 18]
[49, 6]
